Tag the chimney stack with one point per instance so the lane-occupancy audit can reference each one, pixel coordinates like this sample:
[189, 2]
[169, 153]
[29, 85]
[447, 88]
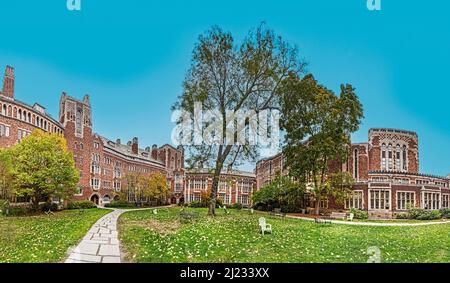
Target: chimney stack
[8, 82]
[155, 152]
[135, 146]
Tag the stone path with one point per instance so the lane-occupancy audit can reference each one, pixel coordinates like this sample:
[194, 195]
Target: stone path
[101, 243]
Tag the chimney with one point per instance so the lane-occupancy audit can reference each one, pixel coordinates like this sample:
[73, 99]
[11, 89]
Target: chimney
[155, 152]
[118, 142]
[8, 82]
[135, 146]
[86, 100]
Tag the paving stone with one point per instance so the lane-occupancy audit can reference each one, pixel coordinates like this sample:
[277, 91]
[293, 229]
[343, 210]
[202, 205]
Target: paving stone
[111, 250]
[84, 257]
[114, 242]
[105, 241]
[85, 248]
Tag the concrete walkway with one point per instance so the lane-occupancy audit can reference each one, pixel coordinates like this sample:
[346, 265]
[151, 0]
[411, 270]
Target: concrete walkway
[374, 223]
[101, 243]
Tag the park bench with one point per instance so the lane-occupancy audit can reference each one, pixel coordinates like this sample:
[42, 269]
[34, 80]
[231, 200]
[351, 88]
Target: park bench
[264, 226]
[277, 212]
[188, 216]
[338, 215]
[323, 220]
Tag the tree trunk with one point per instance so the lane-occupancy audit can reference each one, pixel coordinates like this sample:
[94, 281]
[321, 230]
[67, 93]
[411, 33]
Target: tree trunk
[318, 207]
[214, 188]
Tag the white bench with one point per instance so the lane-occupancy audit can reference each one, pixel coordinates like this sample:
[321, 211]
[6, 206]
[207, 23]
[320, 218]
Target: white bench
[264, 226]
[338, 215]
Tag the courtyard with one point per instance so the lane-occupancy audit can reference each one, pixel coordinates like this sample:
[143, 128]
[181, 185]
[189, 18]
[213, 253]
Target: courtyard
[235, 237]
[163, 237]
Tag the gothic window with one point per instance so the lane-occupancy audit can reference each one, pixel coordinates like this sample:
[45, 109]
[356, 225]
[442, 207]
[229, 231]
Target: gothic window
[383, 157]
[355, 164]
[390, 156]
[397, 158]
[78, 125]
[405, 163]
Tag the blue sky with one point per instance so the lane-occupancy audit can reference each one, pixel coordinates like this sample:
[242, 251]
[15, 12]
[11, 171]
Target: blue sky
[131, 57]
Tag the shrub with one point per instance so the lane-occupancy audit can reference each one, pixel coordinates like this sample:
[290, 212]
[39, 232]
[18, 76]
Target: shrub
[21, 209]
[237, 206]
[48, 206]
[402, 216]
[120, 204]
[197, 204]
[359, 214]
[445, 213]
[84, 204]
[422, 214]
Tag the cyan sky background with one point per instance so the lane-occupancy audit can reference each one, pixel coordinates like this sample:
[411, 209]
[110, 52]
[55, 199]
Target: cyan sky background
[131, 57]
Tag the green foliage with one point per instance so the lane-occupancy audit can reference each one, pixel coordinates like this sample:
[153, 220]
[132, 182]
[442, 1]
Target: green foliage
[83, 204]
[226, 75]
[49, 206]
[318, 125]
[120, 204]
[282, 191]
[359, 214]
[197, 204]
[422, 214]
[445, 213]
[6, 172]
[42, 168]
[237, 206]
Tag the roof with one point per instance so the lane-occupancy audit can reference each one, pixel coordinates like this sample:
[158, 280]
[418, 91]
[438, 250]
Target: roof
[224, 172]
[408, 174]
[32, 109]
[125, 149]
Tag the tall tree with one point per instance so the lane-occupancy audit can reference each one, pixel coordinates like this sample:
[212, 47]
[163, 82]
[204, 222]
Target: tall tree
[229, 77]
[318, 125]
[43, 168]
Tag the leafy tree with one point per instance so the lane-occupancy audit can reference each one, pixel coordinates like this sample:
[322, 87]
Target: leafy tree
[145, 186]
[318, 125]
[42, 168]
[225, 76]
[282, 190]
[5, 174]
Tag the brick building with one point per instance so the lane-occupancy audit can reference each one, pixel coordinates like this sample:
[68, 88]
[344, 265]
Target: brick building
[102, 162]
[386, 170]
[234, 186]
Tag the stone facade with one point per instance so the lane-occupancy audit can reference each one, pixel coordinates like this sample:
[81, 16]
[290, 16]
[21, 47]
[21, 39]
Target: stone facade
[386, 170]
[234, 187]
[102, 163]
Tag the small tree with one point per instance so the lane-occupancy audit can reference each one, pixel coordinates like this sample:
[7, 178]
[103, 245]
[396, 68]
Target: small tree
[318, 125]
[157, 187]
[43, 168]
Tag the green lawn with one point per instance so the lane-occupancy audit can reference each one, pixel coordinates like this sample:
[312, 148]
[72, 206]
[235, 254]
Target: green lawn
[44, 238]
[236, 238]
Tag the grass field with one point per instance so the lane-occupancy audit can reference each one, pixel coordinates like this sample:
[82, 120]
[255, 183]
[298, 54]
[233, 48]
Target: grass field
[44, 238]
[236, 238]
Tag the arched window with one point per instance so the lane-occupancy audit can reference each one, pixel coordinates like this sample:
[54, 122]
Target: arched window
[390, 156]
[405, 162]
[4, 110]
[383, 157]
[19, 114]
[29, 117]
[397, 158]
[355, 164]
